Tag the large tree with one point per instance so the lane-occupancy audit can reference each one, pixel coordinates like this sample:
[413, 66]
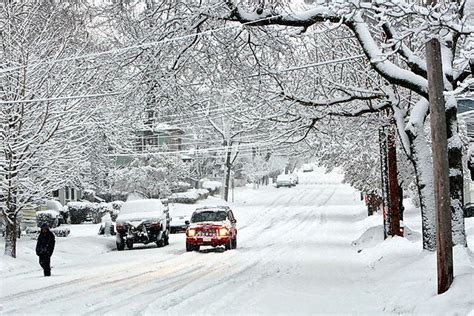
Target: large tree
[43, 98]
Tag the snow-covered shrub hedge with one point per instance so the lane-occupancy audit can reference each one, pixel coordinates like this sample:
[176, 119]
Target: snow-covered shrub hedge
[61, 231]
[81, 212]
[49, 217]
[33, 232]
[203, 193]
[114, 209]
[181, 186]
[189, 197]
[212, 186]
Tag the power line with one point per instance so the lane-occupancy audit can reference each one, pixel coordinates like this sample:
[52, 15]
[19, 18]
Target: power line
[143, 45]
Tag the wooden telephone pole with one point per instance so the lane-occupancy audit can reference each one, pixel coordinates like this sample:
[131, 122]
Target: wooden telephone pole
[444, 240]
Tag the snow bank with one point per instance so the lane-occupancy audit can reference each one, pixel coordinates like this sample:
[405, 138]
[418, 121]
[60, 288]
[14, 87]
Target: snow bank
[407, 275]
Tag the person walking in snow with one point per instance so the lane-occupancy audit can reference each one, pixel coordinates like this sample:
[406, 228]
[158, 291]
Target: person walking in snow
[45, 248]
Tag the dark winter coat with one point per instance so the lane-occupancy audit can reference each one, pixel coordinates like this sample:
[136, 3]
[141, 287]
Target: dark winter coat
[45, 244]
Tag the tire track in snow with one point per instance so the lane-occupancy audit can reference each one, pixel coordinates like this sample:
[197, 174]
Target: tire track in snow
[91, 289]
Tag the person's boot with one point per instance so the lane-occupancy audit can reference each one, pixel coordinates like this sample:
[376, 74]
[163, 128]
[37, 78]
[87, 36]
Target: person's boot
[47, 272]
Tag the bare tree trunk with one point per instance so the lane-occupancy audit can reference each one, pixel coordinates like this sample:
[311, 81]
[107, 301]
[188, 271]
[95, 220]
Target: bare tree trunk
[384, 173]
[456, 180]
[394, 228]
[228, 166]
[422, 163]
[11, 231]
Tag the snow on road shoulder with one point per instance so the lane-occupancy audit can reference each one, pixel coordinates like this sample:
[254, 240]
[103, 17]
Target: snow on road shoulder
[405, 275]
[310, 249]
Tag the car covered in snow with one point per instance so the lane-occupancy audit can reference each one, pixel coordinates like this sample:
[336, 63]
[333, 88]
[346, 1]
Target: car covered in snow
[307, 168]
[284, 180]
[179, 223]
[212, 226]
[294, 178]
[142, 221]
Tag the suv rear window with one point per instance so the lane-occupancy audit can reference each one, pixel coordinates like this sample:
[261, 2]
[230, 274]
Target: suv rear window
[209, 216]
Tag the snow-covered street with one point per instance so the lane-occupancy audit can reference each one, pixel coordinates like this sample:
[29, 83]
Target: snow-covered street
[295, 255]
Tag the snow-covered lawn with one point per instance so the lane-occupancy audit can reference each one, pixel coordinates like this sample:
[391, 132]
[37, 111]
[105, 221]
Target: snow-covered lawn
[309, 249]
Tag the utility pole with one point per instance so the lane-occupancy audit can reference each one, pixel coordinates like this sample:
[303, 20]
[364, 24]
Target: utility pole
[444, 240]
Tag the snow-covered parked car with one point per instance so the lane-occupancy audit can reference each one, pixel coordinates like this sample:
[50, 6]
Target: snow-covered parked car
[284, 180]
[212, 226]
[142, 221]
[307, 168]
[179, 224]
[294, 179]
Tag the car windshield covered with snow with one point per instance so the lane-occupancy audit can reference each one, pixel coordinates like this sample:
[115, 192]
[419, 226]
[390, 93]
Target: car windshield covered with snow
[141, 209]
[209, 216]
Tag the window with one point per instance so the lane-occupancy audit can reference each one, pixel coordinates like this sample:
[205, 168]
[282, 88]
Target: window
[56, 193]
[209, 216]
[66, 189]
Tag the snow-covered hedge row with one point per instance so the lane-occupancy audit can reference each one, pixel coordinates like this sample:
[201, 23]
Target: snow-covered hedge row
[80, 212]
[203, 193]
[212, 186]
[33, 232]
[49, 217]
[189, 197]
[181, 186]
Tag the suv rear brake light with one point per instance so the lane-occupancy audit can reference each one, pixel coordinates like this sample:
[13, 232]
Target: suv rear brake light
[223, 231]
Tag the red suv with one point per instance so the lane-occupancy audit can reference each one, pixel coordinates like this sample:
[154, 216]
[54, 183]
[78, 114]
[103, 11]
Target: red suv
[212, 226]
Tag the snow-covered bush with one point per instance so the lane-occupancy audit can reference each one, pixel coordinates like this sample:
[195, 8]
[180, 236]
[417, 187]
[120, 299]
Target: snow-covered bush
[212, 186]
[189, 197]
[33, 232]
[106, 227]
[181, 186]
[61, 231]
[114, 209]
[203, 193]
[81, 212]
[49, 217]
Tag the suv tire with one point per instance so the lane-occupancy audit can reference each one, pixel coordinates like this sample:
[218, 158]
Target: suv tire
[167, 238]
[120, 244]
[189, 247]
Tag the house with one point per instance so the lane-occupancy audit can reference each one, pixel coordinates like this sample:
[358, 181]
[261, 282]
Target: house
[67, 194]
[161, 137]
